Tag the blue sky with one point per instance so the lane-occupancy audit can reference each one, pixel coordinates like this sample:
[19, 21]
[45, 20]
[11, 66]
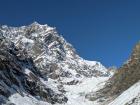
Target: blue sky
[102, 30]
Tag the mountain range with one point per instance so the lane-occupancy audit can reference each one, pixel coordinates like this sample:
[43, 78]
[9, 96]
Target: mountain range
[39, 67]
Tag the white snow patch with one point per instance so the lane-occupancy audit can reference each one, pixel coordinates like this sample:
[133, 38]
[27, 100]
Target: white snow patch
[17, 99]
[27, 71]
[26, 40]
[92, 63]
[127, 95]
[76, 93]
[34, 34]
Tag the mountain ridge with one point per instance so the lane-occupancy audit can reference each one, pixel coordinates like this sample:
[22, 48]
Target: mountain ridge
[53, 73]
[59, 65]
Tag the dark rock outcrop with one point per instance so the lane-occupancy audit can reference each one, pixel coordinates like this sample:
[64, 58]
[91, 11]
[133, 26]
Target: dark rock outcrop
[15, 79]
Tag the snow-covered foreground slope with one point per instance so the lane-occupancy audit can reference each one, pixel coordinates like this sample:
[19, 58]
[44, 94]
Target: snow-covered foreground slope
[129, 96]
[17, 99]
[75, 93]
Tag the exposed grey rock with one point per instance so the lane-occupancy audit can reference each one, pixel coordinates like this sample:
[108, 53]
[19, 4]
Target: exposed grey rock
[39, 62]
[14, 79]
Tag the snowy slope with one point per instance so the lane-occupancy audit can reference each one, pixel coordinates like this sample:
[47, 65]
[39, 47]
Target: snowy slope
[17, 99]
[76, 93]
[128, 96]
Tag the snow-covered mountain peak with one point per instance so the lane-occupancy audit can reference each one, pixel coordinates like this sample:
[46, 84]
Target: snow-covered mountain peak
[38, 27]
[50, 50]
[56, 59]
[39, 67]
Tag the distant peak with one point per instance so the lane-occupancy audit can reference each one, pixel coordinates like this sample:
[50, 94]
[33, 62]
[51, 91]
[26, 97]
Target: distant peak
[37, 26]
[35, 23]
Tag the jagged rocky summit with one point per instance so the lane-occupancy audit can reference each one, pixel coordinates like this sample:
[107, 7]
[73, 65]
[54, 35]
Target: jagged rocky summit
[39, 65]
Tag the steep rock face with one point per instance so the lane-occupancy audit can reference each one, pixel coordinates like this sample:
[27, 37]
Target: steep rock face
[58, 69]
[52, 55]
[19, 75]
